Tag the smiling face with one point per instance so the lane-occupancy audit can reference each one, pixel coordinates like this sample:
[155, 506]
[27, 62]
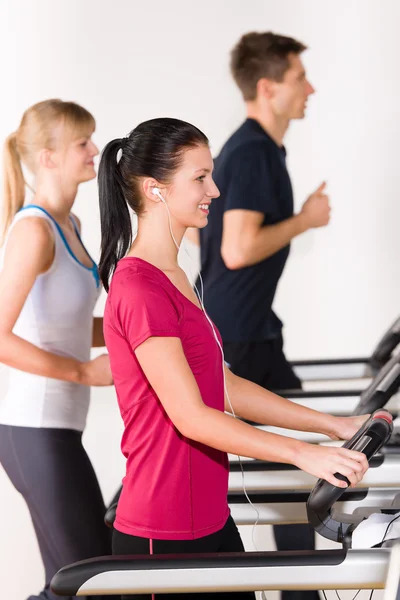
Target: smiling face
[70, 159]
[192, 188]
[76, 157]
[79, 159]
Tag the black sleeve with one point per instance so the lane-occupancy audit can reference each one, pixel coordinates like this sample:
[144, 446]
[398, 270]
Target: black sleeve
[248, 180]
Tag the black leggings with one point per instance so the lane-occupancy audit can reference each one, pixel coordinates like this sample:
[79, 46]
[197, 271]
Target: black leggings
[226, 540]
[52, 471]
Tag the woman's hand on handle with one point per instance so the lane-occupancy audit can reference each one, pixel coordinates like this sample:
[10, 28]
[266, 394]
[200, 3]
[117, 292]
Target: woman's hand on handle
[324, 461]
[343, 428]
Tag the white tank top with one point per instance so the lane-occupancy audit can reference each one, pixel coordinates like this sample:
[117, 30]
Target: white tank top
[57, 316]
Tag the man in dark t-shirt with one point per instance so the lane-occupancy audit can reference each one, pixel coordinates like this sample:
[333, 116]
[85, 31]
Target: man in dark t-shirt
[246, 243]
[251, 175]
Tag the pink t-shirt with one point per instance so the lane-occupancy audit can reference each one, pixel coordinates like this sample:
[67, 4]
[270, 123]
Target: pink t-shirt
[174, 488]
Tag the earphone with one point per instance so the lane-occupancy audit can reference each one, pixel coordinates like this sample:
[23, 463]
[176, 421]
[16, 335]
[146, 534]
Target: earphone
[157, 192]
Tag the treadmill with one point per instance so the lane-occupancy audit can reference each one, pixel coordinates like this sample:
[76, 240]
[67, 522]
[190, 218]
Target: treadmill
[259, 476]
[288, 506]
[382, 391]
[392, 587]
[351, 368]
[384, 472]
[345, 568]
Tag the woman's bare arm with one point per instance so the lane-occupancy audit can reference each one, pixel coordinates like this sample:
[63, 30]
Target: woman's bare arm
[30, 252]
[254, 403]
[164, 363]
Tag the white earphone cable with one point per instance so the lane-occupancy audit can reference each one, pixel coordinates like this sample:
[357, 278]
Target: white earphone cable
[200, 298]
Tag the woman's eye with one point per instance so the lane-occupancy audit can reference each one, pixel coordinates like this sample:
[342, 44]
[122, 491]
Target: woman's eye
[201, 178]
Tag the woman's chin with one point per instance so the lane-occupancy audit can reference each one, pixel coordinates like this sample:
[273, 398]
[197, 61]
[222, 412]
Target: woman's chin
[88, 175]
[198, 223]
[202, 222]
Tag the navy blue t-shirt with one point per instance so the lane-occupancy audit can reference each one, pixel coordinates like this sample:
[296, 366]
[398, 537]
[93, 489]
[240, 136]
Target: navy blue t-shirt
[251, 174]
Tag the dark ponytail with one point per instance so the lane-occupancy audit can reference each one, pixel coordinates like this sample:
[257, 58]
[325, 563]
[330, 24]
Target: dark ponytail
[116, 228]
[153, 149]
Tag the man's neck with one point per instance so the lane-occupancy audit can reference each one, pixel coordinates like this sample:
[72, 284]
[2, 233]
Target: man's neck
[276, 127]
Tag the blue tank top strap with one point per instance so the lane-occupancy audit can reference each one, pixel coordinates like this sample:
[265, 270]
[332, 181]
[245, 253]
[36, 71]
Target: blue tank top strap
[75, 225]
[93, 269]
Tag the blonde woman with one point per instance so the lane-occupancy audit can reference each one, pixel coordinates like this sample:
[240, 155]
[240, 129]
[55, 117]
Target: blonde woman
[49, 285]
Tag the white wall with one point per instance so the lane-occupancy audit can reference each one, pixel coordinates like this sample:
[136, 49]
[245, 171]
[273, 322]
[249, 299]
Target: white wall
[128, 61]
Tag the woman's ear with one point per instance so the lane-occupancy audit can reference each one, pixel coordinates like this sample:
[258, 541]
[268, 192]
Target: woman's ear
[149, 186]
[46, 159]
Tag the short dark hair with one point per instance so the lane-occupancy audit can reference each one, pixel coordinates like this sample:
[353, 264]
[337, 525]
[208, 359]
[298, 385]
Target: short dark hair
[153, 149]
[258, 55]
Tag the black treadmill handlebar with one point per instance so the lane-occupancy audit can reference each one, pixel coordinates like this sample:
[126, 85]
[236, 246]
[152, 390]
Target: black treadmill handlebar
[312, 362]
[369, 439]
[385, 347]
[294, 394]
[381, 389]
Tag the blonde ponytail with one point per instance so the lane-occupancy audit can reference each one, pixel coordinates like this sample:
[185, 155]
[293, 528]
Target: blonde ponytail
[13, 184]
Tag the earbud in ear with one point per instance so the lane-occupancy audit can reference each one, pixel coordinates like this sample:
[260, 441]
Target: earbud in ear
[156, 192]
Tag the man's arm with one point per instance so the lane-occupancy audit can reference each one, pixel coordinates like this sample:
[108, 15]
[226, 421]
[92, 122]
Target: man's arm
[245, 241]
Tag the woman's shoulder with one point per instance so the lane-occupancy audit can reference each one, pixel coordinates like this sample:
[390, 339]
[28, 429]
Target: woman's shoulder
[138, 292]
[137, 279]
[136, 274]
[30, 240]
[31, 223]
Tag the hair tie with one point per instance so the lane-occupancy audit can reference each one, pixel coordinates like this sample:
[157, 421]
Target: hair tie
[124, 142]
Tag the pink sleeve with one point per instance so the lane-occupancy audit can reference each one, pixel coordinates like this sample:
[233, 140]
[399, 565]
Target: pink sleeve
[144, 309]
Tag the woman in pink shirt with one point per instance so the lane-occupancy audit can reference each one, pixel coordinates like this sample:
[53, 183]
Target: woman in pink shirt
[167, 362]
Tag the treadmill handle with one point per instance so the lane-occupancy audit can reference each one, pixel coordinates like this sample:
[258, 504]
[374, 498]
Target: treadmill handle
[369, 440]
[385, 347]
[382, 388]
